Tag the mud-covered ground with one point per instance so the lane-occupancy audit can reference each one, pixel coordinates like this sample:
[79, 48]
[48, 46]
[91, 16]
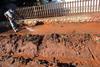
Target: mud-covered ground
[54, 45]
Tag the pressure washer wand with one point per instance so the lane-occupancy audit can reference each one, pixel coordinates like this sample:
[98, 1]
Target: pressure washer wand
[9, 16]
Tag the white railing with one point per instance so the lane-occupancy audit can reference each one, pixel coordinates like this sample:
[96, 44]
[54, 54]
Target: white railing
[59, 9]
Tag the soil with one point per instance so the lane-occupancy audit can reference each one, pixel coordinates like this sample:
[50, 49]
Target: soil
[52, 45]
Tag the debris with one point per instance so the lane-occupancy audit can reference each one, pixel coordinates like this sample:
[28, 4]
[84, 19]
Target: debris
[25, 48]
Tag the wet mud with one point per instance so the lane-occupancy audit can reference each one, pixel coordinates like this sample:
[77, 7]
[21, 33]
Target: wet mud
[71, 49]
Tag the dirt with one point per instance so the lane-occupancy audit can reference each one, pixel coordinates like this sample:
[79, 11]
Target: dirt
[55, 50]
[52, 45]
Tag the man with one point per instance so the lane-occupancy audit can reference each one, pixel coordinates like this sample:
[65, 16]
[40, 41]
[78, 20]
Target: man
[9, 14]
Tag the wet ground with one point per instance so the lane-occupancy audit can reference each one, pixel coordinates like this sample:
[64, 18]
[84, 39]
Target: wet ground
[72, 41]
[52, 45]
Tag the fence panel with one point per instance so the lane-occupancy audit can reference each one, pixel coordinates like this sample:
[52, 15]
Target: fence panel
[59, 9]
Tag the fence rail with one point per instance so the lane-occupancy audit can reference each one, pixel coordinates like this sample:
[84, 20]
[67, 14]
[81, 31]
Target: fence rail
[59, 9]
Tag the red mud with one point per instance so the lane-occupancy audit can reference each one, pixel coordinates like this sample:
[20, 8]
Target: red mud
[52, 45]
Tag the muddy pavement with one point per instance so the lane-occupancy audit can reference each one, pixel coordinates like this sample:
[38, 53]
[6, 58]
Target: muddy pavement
[51, 50]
